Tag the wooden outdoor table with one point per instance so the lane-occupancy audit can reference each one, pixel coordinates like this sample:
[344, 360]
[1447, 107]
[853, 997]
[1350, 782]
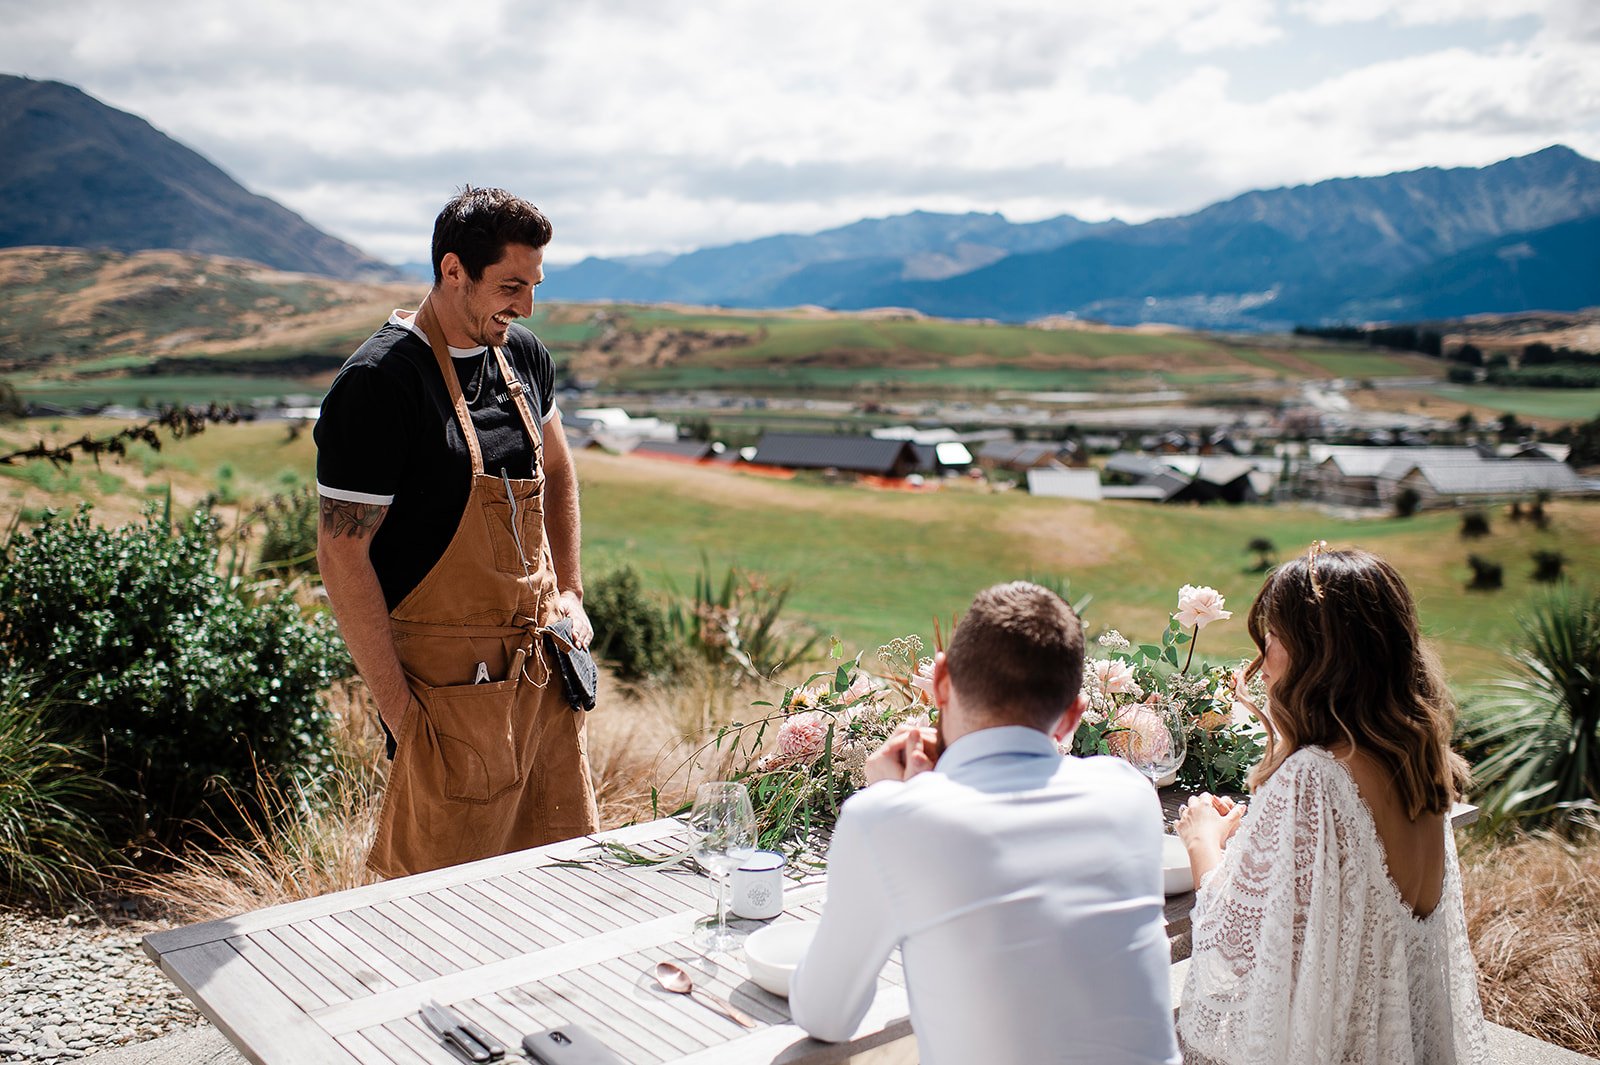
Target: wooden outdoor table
[518, 944]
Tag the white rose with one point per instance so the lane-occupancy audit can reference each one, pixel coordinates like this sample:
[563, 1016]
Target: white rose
[1113, 676]
[1199, 607]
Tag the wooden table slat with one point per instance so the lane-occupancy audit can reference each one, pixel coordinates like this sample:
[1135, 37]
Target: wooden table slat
[293, 937]
[576, 903]
[297, 967]
[634, 971]
[615, 1011]
[565, 926]
[530, 921]
[420, 1041]
[400, 948]
[568, 1004]
[610, 896]
[462, 923]
[431, 930]
[285, 982]
[516, 1013]
[365, 1052]
[675, 887]
[231, 993]
[509, 927]
[366, 963]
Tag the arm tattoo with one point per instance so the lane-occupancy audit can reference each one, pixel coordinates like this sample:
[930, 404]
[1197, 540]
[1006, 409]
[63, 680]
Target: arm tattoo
[355, 520]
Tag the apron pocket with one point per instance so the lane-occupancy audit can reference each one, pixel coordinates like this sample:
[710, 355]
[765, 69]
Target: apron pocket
[529, 524]
[472, 724]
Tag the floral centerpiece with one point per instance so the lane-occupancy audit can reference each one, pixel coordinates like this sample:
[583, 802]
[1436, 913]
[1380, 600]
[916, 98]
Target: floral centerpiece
[1127, 684]
[806, 753]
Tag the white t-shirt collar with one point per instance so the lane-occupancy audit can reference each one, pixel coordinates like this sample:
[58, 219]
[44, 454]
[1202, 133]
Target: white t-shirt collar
[408, 320]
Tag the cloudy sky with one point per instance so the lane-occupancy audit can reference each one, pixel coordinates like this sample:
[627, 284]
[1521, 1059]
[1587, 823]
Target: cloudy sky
[641, 126]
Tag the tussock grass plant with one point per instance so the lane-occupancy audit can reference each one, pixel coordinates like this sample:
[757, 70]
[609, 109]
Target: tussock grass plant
[297, 839]
[1533, 915]
[296, 842]
[51, 847]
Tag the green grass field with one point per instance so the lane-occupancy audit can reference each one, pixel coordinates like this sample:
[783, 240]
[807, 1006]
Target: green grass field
[869, 565]
[198, 389]
[1567, 404]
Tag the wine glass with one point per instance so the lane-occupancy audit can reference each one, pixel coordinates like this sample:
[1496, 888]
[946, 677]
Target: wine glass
[723, 824]
[1155, 739]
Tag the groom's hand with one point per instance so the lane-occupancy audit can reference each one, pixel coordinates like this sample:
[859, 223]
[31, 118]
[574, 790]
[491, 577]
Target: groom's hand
[907, 753]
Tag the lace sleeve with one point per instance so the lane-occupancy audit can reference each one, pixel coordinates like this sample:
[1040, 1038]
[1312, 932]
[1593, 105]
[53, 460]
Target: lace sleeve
[1262, 985]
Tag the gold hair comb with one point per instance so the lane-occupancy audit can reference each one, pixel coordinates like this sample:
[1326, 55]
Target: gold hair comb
[1317, 548]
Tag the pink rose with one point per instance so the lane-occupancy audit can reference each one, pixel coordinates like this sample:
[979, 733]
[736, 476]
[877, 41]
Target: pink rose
[863, 687]
[803, 735]
[1114, 677]
[1199, 607]
[1142, 735]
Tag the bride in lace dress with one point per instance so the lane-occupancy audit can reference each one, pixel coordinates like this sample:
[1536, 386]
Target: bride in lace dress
[1328, 925]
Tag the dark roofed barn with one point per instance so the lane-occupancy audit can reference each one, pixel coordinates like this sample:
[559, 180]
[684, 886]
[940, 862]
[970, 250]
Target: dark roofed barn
[852, 454]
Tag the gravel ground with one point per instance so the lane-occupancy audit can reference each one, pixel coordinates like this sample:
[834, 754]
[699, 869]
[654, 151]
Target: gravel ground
[72, 986]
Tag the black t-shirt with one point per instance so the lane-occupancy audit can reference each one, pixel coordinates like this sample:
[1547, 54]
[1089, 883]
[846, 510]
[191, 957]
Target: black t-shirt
[388, 435]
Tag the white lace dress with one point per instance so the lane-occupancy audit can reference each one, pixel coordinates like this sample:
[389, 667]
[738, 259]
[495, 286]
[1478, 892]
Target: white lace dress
[1305, 952]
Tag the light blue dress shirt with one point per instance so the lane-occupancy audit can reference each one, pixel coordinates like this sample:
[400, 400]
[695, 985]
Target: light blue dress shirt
[1024, 890]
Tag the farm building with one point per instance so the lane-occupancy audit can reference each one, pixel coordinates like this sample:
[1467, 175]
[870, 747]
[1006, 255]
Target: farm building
[847, 454]
[1064, 484]
[676, 450]
[1021, 456]
[1441, 476]
[1487, 481]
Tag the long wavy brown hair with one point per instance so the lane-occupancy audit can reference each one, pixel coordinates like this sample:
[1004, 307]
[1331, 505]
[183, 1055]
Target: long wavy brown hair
[1359, 672]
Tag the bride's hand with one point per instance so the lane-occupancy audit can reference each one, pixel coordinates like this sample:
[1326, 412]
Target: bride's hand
[1238, 688]
[1205, 828]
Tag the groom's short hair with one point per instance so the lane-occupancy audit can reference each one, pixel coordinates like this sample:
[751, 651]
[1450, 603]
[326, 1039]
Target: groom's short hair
[1017, 655]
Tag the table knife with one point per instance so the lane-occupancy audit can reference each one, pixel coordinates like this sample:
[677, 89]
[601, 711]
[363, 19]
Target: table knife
[445, 1028]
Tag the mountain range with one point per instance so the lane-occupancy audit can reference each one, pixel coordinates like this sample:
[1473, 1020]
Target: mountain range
[81, 174]
[1514, 236]
[1522, 234]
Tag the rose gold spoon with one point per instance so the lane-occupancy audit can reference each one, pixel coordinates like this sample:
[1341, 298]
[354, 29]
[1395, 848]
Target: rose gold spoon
[675, 978]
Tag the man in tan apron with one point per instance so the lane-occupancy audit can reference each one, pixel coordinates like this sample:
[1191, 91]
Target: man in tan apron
[449, 543]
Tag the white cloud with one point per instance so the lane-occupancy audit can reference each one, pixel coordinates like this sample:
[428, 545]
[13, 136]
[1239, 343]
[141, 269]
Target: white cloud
[642, 126]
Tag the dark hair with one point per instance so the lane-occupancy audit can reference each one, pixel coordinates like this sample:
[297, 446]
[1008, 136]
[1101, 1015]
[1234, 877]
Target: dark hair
[477, 224]
[1358, 671]
[1017, 655]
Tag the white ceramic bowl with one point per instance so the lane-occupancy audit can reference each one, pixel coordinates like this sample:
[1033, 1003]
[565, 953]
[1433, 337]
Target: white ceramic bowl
[773, 952]
[1175, 875]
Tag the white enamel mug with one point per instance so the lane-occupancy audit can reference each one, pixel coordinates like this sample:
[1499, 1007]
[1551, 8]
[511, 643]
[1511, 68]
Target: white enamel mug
[757, 886]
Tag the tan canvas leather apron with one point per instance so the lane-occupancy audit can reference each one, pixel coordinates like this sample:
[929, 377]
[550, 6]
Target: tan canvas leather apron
[483, 768]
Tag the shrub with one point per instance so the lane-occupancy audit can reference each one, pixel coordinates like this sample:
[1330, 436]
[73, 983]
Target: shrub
[1474, 525]
[50, 842]
[1263, 549]
[1407, 502]
[289, 542]
[630, 632]
[1486, 575]
[166, 666]
[1535, 736]
[1547, 566]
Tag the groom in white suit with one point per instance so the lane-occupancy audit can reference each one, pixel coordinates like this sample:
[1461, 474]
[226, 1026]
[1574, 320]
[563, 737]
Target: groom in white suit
[1022, 887]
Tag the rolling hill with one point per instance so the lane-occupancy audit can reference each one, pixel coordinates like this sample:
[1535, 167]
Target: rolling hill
[81, 174]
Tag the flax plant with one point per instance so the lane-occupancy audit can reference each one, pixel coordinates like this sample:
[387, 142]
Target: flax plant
[1534, 737]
